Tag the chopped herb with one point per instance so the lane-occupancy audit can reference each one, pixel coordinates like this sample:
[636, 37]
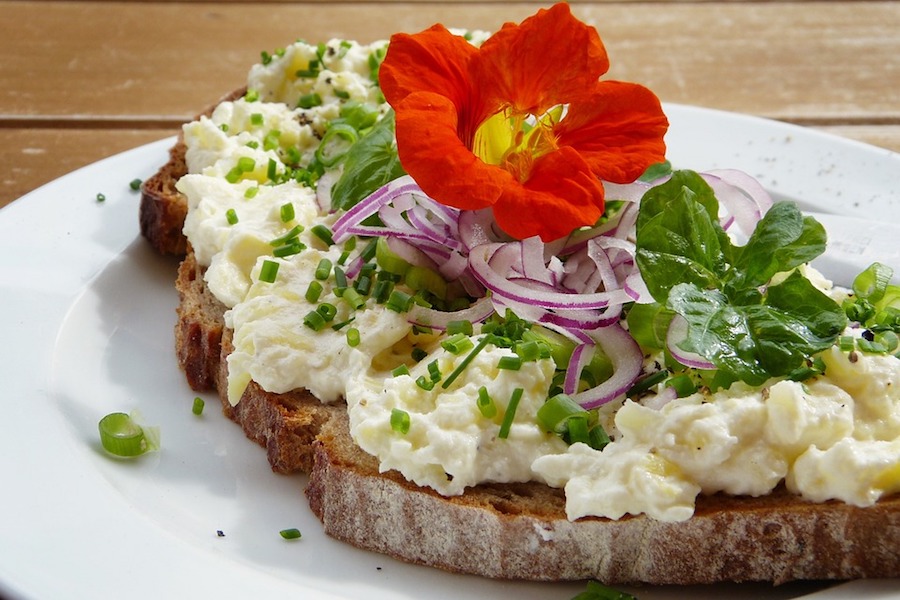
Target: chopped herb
[231, 216]
[101, 197]
[269, 271]
[486, 404]
[290, 534]
[353, 337]
[135, 184]
[510, 413]
[314, 291]
[287, 212]
[400, 421]
[197, 408]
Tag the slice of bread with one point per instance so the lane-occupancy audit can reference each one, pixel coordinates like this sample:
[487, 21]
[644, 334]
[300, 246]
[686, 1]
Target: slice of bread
[163, 208]
[515, 531]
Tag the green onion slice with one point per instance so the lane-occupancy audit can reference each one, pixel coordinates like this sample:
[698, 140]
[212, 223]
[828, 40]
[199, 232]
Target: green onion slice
[121, 436]
[400, 421]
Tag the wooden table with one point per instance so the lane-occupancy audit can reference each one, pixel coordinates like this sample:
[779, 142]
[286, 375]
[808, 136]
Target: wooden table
[83, 80]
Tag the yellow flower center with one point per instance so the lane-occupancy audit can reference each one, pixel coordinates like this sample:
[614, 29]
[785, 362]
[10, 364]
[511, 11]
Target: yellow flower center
[513, 141]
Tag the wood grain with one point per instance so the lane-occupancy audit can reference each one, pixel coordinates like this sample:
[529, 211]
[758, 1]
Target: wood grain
[80, 80]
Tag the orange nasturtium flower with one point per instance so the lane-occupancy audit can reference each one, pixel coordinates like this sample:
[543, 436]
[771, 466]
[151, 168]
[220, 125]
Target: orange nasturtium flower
[522, 124]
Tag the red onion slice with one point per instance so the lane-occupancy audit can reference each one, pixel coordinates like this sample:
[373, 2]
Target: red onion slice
[677, 332]
[627, 362]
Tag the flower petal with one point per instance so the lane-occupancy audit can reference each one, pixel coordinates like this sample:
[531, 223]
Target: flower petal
[436, 61]
[618, 130]
[561, 195]
[533, 67]
[432, 152]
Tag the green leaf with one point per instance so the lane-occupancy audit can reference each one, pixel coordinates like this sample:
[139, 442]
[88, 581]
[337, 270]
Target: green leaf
[783, 240]
[757, 341]
[369, 164]
[677, 238]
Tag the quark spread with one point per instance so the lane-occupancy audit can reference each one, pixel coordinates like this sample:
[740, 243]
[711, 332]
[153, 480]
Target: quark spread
[836, 436]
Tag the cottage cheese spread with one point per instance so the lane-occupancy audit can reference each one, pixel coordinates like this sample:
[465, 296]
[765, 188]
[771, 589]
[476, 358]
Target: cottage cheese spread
[834, 437]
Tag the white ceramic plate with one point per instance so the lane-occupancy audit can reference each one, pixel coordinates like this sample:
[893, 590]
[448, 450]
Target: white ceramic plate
[87, 317]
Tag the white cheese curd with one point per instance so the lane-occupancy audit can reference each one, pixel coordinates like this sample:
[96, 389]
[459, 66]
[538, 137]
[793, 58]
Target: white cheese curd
[854, 471]
[340, 70]
[231, 250]
[275, 349]
[742, 441]
[450, 445]
[214, 143]
[619, 480]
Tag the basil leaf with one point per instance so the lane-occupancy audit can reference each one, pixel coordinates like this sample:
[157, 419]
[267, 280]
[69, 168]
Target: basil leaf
[783, 239]
[369, 164]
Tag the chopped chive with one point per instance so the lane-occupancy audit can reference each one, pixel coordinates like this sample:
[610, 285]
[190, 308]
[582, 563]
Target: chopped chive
[234, 175]
[382, 290]
[342, 94]
[363, 285]
[486, 404]
[553, 414]
[197, 408]
[101, 197]
[251, 192]
[289, 249]
[290, 534]
[418, 354]
[646, 382]
[528, 351]
[464, 327]
[598, 438]
[457, 343]
[252, 144]
[287, 237]
[465, 361]
[323, 233]
[272, 169]
[434, 371]
[268, 271]
[314, 291]
[510, 413]
[353, 298]
[340, 281]
[135, 184]
[400, 421]
[327, 310]
[353, 337]
[231, 216]
[368, 252]
[272, 140]
[578, 429]
[246, 164]
[846, 343]
[287, 212]
[350, 244]
[342, 324]
[314, 320]
[401, 370]
[425, 383]
[309, 101]
[342, 259]
[323, 269]
[251, 95]
[510, 363]
[256, 119]
[399, 301]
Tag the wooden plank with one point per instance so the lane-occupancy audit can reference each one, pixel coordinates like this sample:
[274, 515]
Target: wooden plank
[819, 62]
[38, 156]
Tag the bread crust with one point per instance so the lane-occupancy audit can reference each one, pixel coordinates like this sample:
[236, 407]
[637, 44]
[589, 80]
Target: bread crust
[163, 208]
[520, 531]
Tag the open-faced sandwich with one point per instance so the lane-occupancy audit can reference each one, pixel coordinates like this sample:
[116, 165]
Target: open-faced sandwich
[452, 277]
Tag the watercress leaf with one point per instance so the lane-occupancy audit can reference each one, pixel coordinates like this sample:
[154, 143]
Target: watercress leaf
[678, 241]
[753, 342]
[369, 164]
[818, 318]
[718, 331]
[783, 239]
